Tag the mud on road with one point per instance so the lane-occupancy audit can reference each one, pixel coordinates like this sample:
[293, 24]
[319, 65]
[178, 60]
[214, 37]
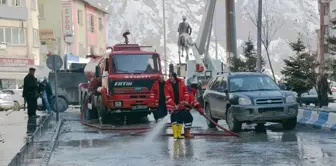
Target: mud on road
[82, 146]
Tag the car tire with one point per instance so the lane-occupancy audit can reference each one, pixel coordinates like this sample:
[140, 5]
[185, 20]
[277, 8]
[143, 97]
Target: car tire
[260, 127]
[16, 106]
[289, 124]
[232, 122]
[208, 113]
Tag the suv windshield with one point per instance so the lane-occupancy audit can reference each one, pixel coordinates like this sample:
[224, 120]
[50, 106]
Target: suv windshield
[252, 83]
[135, 63]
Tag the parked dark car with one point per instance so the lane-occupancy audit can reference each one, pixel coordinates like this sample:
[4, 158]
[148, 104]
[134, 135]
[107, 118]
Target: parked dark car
[249, 97]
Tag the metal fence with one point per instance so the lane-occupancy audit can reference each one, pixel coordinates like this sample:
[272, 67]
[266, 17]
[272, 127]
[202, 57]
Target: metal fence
[29, 149]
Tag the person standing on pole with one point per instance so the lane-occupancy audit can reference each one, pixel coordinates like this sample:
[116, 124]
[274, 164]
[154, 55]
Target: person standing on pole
[184, 27]
[30, 92]
[158, 97]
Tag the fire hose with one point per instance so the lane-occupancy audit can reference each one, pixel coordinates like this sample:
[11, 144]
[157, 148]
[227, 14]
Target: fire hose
[145, 129]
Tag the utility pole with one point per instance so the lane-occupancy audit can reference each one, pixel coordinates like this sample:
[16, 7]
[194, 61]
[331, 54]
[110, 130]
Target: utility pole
[164, 36]
[259, 25]
[322, 7]
[231, 41]
[215, 31]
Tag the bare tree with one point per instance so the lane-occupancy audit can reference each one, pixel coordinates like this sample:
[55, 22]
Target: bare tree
[270, 26]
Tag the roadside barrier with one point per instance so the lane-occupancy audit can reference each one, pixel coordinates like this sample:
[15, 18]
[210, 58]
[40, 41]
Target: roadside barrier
[320, 118]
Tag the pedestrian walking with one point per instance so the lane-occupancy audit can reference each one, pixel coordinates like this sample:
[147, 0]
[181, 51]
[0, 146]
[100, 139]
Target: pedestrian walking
[30, 92]
[158, 98]
[46, 94]
[176, 98]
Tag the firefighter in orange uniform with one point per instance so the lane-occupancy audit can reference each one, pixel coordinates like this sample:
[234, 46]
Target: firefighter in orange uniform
[194, 104]
[177, 97]
[158, 98]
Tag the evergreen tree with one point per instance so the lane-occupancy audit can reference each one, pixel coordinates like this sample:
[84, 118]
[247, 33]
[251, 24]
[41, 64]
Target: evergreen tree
[249, 64]
[251, 56]
[331, 68]
[236, 65]
[331, 65]
[299, 70]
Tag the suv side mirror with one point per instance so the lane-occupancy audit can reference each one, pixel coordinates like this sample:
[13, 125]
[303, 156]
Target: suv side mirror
[223, 90]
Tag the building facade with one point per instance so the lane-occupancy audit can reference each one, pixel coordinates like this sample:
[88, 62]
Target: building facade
[72, 28]
[19, 41]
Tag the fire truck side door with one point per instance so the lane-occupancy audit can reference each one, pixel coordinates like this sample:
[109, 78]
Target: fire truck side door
[105, 74]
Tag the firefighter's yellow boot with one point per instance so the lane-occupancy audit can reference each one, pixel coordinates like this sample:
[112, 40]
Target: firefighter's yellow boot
[179, 131]
[175, 130]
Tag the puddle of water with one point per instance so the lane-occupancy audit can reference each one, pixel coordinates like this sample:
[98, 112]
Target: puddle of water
[156, 130]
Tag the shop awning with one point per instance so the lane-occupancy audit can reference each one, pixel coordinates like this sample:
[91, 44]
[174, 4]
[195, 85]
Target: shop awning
[12, 75]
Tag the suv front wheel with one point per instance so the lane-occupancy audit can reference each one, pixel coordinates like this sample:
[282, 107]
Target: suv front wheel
[232, 122]
[289, 124]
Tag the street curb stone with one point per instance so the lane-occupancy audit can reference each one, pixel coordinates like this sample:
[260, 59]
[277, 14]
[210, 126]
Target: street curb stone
[318, 119]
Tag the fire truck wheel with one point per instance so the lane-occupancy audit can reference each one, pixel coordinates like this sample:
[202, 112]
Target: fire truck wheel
[102, 111]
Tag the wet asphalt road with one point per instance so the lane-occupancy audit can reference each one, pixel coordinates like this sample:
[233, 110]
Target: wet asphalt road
[82, 146]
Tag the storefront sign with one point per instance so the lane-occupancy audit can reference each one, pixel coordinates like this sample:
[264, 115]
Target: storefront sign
[46, 34]
[67, 18]
[13, 61]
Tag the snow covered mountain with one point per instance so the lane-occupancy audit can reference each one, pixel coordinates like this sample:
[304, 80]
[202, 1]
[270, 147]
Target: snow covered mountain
[144, 20]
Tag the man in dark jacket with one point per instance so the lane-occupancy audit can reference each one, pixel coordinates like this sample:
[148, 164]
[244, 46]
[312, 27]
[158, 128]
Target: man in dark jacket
[30, 92]
[158, 98]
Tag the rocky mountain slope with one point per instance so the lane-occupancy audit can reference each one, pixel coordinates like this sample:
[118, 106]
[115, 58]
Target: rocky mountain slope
[144, 20]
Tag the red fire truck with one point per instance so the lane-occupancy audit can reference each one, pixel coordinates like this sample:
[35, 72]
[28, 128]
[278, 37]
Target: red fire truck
[120, 83]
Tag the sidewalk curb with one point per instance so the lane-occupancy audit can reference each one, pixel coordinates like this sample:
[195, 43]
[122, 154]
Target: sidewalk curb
[317, 119]
[23, 154]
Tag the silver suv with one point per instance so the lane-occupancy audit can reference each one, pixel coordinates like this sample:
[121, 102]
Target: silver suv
[249, 98]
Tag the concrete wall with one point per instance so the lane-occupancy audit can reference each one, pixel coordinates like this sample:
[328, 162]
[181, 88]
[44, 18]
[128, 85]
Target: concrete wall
[83, 38]
[28, 49]
[50, 18]
[97, 38]
[8, 11]
[33, 31]
[80, 28]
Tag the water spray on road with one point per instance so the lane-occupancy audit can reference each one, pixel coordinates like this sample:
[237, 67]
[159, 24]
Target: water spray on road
[156, 130]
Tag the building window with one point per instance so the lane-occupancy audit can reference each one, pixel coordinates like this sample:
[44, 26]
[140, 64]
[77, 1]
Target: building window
[41, 10]
[2, 35]
[18, 3]
[3, 2]
[80, 17]
[13, 36]
[33, 4]
[81, 49]
[91, 50]
[36, 37]
[91, 23]
[100, 21]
